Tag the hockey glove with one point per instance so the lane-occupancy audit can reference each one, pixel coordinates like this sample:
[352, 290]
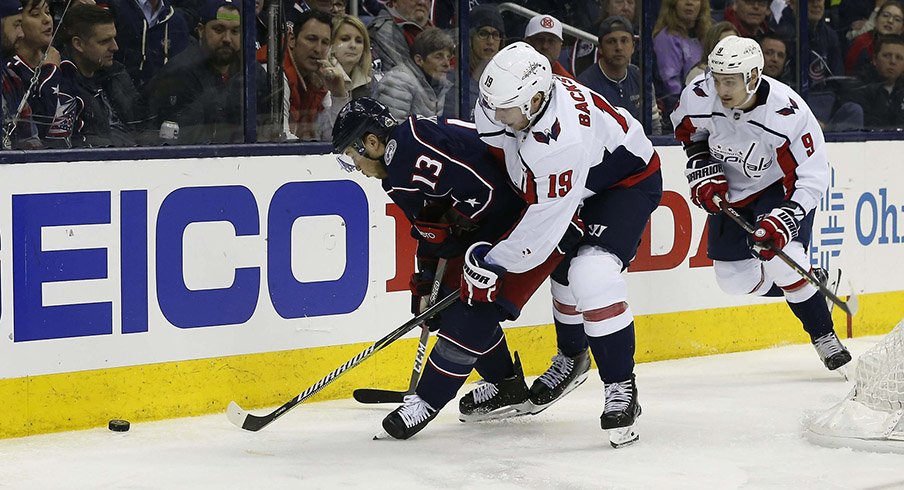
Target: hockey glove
[434, 233]
[421, 285]
[572, 237]
[706, 180]
[480, 281]
[773, 232]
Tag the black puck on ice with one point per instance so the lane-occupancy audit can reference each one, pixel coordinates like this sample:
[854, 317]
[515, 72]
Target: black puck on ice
[117, 425]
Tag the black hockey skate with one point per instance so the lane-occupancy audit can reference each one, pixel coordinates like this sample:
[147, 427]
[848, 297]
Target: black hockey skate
[564, 375]
[620, 413]
[833, 354]
[507, 398]
[407, 420]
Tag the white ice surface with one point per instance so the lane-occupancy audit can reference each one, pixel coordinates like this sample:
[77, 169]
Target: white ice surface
[720, 422]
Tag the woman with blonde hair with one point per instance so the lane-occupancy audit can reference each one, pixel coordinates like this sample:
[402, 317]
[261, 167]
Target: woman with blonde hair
[351, 52]
[716, 33]
[677, 43]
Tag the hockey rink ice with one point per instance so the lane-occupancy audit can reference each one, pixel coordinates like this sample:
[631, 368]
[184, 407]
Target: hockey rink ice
[720, 422]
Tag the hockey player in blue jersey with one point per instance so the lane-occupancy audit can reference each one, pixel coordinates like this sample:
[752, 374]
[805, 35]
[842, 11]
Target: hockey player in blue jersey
[454, 194]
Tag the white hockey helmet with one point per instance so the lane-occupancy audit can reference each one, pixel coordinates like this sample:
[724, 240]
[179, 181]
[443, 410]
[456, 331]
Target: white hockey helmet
[513, 77]
[738, 55]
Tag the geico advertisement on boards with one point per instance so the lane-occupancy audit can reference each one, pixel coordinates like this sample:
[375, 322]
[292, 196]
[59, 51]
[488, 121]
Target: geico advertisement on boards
[106, 264]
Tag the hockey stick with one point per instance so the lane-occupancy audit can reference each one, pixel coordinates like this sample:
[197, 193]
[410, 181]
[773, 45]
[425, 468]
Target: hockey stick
[248, 421]
[737, 218]
[376, 395]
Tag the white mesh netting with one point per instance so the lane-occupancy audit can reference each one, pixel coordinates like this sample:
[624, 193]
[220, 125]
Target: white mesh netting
[870, 417]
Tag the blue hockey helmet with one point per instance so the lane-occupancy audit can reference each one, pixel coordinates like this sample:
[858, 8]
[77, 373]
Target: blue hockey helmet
[359, 117]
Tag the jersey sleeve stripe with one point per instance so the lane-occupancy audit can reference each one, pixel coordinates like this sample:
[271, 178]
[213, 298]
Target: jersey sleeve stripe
[621, 168]
[788, 164]
[684, 130]
[529, 192]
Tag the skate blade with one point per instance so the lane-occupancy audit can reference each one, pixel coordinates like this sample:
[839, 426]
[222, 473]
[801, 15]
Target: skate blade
[623, 436]
[501, 413]
[843, 372]
[536, 408]
[383, 436]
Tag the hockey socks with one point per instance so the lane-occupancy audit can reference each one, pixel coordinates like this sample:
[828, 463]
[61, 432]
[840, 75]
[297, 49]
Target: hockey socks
[814, 315]
[570, 338]
[496, 364]
[442, 377]
[614, 354]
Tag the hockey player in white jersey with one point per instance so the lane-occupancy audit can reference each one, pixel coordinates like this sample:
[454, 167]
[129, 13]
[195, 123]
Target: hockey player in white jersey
[753, 142]
[568, 150]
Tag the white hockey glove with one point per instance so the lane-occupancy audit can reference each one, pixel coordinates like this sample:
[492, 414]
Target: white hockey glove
[480, 281]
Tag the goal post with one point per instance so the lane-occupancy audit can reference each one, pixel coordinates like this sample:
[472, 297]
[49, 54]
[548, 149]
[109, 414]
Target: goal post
[870, 417]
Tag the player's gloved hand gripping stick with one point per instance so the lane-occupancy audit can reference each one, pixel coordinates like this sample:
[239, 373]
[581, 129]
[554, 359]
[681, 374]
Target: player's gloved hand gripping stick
[375, 395]
[849, 308]
[254, 423]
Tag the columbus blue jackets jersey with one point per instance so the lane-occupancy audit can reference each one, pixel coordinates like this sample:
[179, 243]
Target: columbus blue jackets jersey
[441, 169]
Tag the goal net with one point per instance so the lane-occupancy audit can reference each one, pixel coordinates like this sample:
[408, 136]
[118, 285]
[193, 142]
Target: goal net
[870, 417]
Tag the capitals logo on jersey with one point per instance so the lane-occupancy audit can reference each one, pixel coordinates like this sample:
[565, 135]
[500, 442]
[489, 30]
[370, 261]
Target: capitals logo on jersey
[549, 134]
[752, 166]
[698, 89]
[787, 111]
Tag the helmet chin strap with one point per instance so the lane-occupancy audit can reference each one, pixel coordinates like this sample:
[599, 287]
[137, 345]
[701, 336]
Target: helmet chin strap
[532, 118]
[750, 93]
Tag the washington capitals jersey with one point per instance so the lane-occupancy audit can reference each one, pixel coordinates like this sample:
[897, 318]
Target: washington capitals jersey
[777, 140]
[579, 145]
[442, 164]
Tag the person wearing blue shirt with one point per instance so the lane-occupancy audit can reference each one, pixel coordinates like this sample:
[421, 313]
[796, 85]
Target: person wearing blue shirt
[613, 76]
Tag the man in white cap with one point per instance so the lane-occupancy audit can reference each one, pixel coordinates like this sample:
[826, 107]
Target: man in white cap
[544, 33]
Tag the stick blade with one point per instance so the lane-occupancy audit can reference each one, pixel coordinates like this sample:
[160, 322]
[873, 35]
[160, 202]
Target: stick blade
[373, 395]
[236, 414]
[853, 304]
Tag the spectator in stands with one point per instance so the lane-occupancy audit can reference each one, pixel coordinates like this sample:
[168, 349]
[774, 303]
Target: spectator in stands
[544, 33]
[775, 57]
[625, 8]
[337, 7]
[423, 90]
[98, 104]
[716, 33]
[18, 128]
[614, 77]
[882, 93]
[34, 52]
[677, 46]
[749, 17]
[149, 34]
[857, 17]
[825, 66]
[890, 20]
[201, 88]
[351, 52]
[585, 54]
[487, 33]
[394, 29]
[37, 28]
[317, 89]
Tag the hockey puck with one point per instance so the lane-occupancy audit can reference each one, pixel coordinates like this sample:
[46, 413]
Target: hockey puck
[117, 425]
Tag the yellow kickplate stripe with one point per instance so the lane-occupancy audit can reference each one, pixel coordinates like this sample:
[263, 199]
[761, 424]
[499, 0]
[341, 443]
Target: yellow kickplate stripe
[80, 400]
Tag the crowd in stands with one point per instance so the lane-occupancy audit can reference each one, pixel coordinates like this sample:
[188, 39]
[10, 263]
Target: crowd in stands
[150, 72]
